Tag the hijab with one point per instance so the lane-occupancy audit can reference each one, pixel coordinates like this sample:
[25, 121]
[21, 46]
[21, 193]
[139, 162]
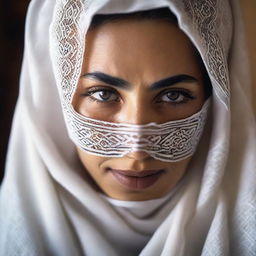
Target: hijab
[47, 207]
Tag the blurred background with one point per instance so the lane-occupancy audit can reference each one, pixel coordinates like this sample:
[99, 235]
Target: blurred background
[12, 19]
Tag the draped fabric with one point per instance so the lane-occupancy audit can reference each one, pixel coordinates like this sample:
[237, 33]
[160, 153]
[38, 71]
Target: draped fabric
[47, 207]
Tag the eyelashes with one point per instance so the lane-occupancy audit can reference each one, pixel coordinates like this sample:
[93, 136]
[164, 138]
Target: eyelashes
[102, 94]
[175, 96]
[107, 95]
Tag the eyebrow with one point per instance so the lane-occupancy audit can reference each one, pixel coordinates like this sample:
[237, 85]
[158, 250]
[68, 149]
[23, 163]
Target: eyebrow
[123, 84]
[172, 80]
[108, 79]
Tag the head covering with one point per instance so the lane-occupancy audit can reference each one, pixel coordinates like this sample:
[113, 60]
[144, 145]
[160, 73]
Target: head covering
[46, 205]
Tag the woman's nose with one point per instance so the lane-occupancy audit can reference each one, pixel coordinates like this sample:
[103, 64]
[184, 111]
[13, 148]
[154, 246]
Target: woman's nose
[137, 113]
[138, 155]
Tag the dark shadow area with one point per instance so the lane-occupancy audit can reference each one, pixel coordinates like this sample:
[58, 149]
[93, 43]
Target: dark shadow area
[12, 20]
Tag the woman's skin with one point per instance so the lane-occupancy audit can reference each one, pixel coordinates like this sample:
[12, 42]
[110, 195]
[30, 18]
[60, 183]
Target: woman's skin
[140, 53]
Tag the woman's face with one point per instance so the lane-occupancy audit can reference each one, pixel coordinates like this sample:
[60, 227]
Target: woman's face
[137, 72]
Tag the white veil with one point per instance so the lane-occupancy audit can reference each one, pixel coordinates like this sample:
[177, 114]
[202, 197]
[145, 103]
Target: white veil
[46, 205]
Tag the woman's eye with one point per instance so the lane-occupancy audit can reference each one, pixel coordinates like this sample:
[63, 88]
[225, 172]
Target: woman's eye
[175, 97]
[103, 95]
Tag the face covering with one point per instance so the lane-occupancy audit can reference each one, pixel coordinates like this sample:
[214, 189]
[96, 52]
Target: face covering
[170, 141]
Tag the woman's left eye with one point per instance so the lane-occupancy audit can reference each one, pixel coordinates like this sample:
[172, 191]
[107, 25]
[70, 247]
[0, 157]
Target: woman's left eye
[175, 96]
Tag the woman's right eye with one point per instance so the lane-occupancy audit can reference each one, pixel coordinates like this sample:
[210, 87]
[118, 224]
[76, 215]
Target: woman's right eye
[102, 95]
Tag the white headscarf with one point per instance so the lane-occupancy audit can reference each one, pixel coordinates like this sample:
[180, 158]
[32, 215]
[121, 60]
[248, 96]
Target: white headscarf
[46, 205]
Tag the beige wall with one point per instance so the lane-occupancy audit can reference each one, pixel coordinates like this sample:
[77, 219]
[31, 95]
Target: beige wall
[249, 13]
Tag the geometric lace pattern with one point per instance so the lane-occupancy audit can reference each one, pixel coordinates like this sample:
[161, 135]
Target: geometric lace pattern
[204, 16]
[171, 141]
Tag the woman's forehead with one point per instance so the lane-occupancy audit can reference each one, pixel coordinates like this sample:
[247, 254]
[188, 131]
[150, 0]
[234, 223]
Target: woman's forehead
[146, 47]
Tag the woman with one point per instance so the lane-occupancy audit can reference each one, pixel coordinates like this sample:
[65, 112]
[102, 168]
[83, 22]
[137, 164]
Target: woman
[135, 80]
